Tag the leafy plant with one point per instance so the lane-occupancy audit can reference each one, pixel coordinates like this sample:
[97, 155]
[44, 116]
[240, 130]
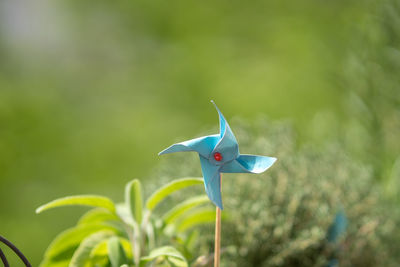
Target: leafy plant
[129, 233]
[371, 80]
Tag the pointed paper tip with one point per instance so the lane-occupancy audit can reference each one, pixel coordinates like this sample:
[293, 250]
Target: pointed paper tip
[161, 153]
[273, 159]
[215, 105]
[212, 101]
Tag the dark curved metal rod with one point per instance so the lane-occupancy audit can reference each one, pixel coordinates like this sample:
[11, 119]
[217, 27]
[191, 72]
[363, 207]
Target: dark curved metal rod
[16, 250]
[4, 259]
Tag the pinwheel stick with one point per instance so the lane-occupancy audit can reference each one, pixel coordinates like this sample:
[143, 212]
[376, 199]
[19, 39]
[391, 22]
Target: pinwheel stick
[217, 234]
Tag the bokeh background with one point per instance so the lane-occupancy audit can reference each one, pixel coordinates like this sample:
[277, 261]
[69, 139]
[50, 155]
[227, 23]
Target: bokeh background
[91, 91]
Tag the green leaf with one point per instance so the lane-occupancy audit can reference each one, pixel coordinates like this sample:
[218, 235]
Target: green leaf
[101, 249]
[180, 209]
[125, 214]
[177, 262]
[166, 251]
[116, 252]
[64, 245]
[192, 239]
[97, 216]
[133, 199]
[168, 189]
[82, 200]
[82, 255]
[196, 217]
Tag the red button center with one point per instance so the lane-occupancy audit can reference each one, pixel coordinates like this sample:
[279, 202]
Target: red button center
[217, 156]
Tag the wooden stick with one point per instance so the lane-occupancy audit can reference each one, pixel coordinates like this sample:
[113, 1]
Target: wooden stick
[217, 234]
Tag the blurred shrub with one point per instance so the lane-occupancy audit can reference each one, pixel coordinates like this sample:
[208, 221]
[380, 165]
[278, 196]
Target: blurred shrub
[372, 83]
[282, 217]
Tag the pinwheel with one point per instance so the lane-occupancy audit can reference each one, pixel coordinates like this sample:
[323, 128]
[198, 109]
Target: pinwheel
[219, 153]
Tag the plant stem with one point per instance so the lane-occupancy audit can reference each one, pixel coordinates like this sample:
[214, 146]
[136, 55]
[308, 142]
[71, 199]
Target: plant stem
[137, 244]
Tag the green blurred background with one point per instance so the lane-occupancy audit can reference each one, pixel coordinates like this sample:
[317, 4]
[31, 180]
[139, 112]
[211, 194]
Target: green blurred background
[91, 91]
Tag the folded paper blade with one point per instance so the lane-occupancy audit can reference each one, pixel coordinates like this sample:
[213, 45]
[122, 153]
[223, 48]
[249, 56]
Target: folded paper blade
[228, 144]
[222, 121]
[203, 145]
[248, 164]
[212, 181]
[255, 164]
[233, 167]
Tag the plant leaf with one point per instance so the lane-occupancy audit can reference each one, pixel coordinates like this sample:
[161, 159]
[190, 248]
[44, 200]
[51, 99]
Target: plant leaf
[191, 240]
[169, 188]
[166, 251]
[82, 254]
[101, 249]
[64, 245]
[196, 217]
[124, 214]
[116, 252]
[133, 199]
[177, 262]
[81, 200]
[97, 216]
[180, 209]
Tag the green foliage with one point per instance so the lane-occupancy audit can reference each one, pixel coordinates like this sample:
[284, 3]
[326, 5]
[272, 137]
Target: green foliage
[372, 84]
[68, 241]
[283, 217]
[166, 190]
[180, 209]
[128, 233]
[81, 256]
[85, 200]
[167, 252]
[116, 252]
[133, 199]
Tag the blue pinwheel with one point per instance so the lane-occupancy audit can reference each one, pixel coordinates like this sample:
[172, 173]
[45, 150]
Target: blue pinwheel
[219, 153]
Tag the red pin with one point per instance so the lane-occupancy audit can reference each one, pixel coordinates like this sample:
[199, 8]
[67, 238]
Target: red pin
[217, 156]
